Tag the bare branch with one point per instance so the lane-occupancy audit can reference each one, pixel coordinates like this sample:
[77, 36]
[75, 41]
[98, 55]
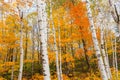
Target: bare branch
[117, 15]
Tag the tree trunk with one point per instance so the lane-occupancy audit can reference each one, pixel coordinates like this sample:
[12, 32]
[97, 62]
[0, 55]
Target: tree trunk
[85, 49]
[55, 43]
[13, 60]
[105, 59]
[59, 38]
[85, 52]
[95, 41]
[42, 22]
[104, 54]
[106, 51]
[33, 48]
[115, 12]
[26, 44]
[116, 65]
[21, 49]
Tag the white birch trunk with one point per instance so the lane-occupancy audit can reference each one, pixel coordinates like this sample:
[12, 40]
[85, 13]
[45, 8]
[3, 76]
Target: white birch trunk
[61, 78]
[96, 45]
[106, 51]
[60, 54]
[55, 43]
[113, 53]
[105, 57]
[104, 54]
[116, 65]
[42, 21]
[115, 12]
[21, 51]
[56, 51]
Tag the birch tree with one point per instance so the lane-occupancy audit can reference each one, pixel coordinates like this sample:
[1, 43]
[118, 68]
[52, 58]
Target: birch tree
[42, 23]
[60, 53]
[21, 45]
[55, 43]
[104, 54]
[115, 12]
[115, 59]
[95, 42]
[105, 59]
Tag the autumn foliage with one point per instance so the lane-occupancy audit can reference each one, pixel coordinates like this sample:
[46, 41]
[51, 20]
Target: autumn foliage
[73, 38]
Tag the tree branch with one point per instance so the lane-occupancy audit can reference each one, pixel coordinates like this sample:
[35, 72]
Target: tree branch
[117, 15]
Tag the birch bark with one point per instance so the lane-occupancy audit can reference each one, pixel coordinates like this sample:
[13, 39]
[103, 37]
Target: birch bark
[115, 57]
[115, 12]
[42, 22]
[21, 47]
[105, 59]
[55, 43]
[104, 54]
[59, 38]
[96, 45]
